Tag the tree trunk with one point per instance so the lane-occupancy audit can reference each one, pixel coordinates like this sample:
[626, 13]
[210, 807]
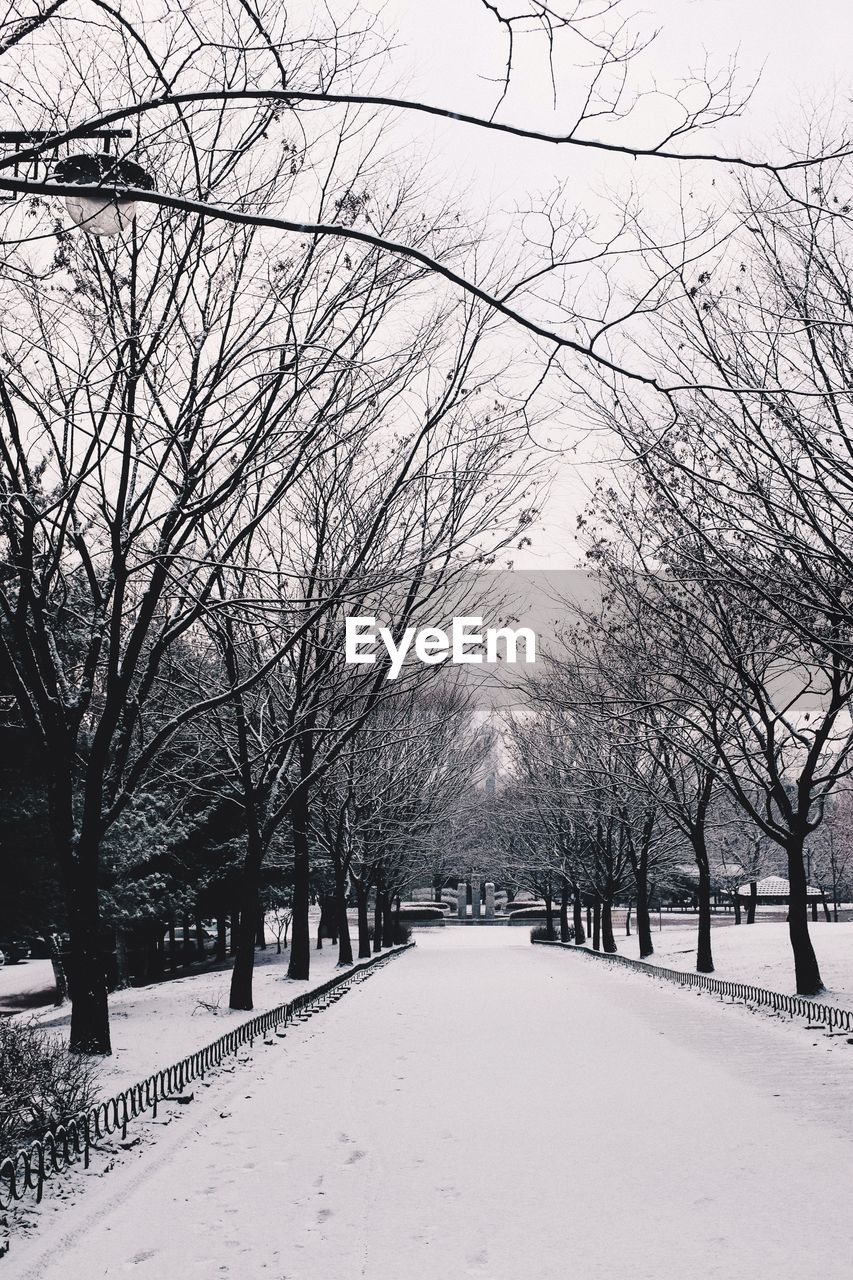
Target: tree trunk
[363, 922]
[242, 975]
[377, 922]
[261, 929]
[199, 940]
[221, 938]
[246, 921]
[704, 955]
[736, 902]
[173, 948]
[244, 962]
[300, 946]
[807, 973]
[565, 893]
[90, 1019]
[644, 920]
[752, 902]
[388, 931]
[323, 923]
[596, 926]
[607, 938]
[628, 920]
[344, 940]
[577, 913]
[78, 858]
[549, 916]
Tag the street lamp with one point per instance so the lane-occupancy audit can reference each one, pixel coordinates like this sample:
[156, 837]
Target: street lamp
[106, 215]
[98, 215]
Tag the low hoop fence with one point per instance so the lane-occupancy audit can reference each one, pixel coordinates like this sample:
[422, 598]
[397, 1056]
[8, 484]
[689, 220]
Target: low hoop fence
[64, 1144]
[817, 1013]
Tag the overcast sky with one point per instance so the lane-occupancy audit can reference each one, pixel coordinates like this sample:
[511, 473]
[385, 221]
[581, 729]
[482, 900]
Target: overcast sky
[450, 51]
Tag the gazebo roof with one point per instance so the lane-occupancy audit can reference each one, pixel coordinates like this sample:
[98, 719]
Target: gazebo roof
[774, 887]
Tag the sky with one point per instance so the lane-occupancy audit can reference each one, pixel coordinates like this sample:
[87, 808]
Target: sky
[449, 52]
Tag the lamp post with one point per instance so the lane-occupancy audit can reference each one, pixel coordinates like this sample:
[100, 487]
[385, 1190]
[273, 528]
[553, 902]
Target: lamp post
[98, 215]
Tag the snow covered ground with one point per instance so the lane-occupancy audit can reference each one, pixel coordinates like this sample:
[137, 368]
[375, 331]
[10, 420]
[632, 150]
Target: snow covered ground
[26, 984]
[759, 953]
[484, 1108]
[154, 1026]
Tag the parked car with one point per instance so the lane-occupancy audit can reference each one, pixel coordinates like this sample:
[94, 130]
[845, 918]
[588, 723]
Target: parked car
[186, 941]
[15, 949]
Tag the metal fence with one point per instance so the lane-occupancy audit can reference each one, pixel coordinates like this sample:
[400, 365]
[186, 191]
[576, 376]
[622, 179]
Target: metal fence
[818, 1014]
[64, 1144]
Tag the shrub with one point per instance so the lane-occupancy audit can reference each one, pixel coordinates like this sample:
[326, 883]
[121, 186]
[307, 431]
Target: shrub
[531, 913]
[420, 911]
[540, 932]
[41, 1083]
[400, 933]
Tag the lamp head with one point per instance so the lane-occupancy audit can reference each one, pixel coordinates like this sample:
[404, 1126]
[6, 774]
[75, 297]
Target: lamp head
[106, 215]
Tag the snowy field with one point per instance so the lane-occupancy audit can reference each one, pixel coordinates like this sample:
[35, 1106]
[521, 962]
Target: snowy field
[483, 1108]
[759, 953]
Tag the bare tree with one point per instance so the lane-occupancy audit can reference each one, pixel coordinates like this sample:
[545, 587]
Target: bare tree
[769, 705]
[245, 71]
[159, 400]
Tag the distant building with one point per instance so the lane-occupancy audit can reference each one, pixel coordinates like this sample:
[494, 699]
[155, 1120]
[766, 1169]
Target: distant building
[773, 891]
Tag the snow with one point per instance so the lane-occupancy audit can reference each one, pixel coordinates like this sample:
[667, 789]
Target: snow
[759, 953]
[485, 1108]
[157, 1025]
[28, 983]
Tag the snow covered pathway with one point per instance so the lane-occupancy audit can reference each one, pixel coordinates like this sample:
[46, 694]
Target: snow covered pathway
[486, 1108]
